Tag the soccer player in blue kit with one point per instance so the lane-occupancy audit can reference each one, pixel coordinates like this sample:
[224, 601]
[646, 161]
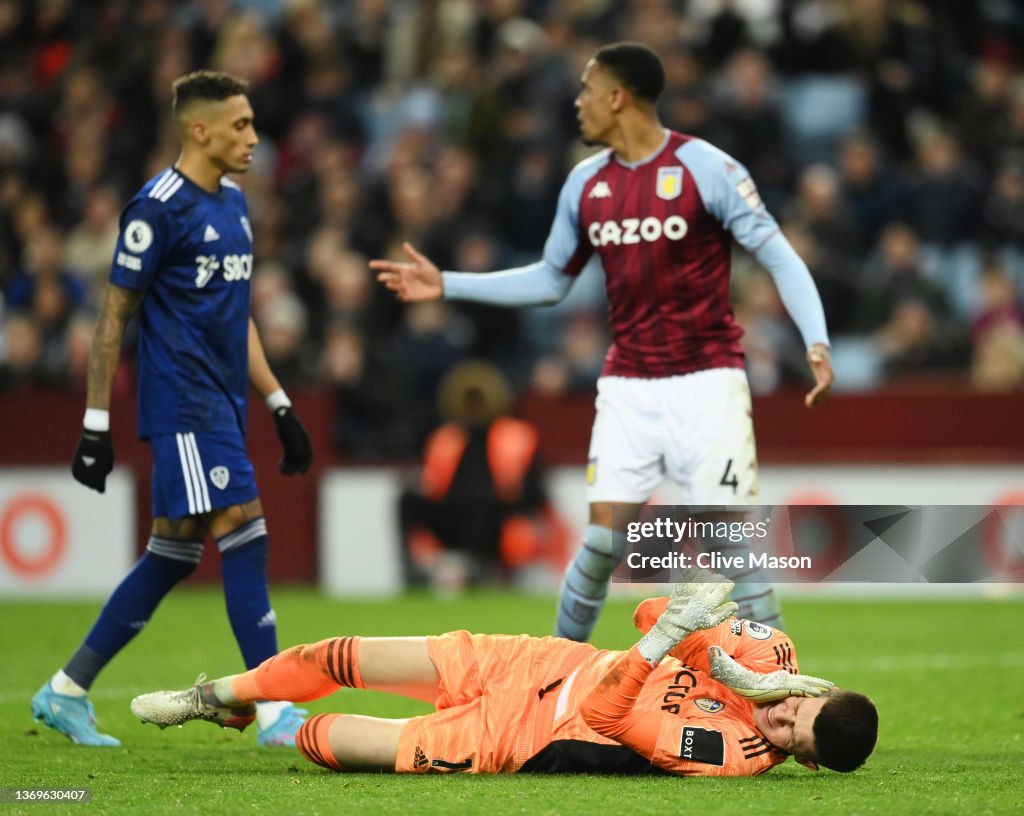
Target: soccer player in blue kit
[183, 261]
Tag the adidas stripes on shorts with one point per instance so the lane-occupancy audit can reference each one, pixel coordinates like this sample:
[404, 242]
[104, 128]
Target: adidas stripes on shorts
[196, 472]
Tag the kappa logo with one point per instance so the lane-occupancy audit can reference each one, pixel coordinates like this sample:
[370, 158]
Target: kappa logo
[600, 190]
[211, 234]
[420, 759]
[220, 477]
[709, 705]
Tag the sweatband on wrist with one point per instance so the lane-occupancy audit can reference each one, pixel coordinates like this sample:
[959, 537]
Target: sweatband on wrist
[96, 419]
[655, 645]
[278, 399]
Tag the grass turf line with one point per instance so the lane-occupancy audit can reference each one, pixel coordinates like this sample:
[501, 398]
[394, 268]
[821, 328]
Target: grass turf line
[945, 676]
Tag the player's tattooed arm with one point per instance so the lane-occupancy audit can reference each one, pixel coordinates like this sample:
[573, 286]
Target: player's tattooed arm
[119, 304]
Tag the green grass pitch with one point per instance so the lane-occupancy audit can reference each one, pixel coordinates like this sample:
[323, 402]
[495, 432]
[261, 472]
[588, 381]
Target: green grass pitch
[946, 675]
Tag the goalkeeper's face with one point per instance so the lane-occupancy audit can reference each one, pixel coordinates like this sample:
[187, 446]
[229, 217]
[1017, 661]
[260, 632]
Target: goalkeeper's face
[788, 724]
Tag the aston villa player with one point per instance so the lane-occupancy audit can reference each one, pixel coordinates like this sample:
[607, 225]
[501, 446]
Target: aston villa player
[659, 210]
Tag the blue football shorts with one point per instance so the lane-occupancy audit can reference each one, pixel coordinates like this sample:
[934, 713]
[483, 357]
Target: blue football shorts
[196, 472]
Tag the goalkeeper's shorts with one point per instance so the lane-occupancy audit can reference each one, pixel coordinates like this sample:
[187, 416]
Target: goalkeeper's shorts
[490, 692]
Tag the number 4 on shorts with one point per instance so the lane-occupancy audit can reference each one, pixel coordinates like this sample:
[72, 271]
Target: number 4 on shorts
[729, 479]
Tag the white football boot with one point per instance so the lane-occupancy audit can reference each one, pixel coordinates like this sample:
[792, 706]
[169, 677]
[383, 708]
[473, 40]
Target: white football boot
[166, 708]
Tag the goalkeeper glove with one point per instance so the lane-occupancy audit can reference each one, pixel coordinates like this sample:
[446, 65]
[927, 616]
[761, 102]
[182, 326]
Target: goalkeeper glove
[94, 459]
[700, 600]
[763, 688]
[298, 450]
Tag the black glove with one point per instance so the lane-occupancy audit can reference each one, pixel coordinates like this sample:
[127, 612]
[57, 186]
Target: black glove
[94, 459]
[298, 450]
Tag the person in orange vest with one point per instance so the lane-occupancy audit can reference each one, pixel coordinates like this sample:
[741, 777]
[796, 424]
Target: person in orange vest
[480, 511]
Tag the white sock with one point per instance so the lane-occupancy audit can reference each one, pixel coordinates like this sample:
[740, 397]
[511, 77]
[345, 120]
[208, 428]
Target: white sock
[268, 712]
[62, 684]
[223, 692]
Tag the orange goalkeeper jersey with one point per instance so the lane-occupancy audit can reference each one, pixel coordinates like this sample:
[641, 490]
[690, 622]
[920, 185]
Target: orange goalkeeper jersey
[674, 715]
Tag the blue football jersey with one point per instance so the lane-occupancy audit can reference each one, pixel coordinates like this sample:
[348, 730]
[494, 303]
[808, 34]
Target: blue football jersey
[190, 251]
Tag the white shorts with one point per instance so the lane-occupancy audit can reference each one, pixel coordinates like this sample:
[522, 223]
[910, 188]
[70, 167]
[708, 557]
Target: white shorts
[696, 427]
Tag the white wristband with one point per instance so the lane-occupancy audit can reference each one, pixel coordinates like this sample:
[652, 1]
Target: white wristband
[655, 645]
[278, 399]
[96, 419]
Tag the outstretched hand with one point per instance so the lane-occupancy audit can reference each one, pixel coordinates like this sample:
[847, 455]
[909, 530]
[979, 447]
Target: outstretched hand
[419, 280]
[763, 688]
[820, 361]
[700, 600]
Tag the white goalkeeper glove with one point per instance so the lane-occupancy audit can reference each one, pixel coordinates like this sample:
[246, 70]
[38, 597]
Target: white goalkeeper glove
[763, 688]
[699, 601]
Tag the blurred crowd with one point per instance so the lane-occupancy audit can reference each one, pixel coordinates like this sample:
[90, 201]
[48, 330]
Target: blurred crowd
[887, 136]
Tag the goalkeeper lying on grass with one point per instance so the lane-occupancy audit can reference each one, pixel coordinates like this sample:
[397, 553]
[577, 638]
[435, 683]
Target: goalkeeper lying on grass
[701, 694]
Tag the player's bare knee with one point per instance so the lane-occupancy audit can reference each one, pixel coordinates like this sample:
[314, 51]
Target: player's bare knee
[187, 528]
[601, 514]
[614, 515]
[252, 509]
[225, 520]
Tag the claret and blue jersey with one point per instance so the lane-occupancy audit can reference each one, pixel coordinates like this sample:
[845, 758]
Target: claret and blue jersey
[190, 251]
[663, 229]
